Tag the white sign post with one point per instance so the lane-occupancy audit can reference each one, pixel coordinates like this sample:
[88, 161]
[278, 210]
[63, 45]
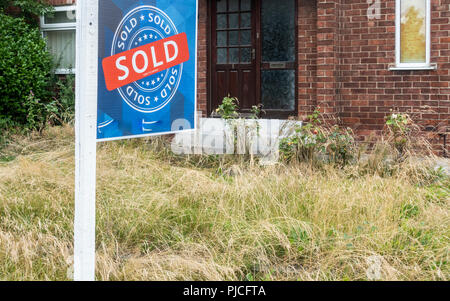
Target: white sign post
[153, 117]
[85, 141]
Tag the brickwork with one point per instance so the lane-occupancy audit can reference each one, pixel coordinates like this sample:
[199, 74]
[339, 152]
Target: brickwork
[307, 56]
[202, 63]
[62, 2]
[369, 90]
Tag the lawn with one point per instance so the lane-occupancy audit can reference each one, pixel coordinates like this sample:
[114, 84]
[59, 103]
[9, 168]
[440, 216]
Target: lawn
[160, 217]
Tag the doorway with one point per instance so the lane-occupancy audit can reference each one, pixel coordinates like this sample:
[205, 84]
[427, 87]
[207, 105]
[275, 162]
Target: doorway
[253, 55]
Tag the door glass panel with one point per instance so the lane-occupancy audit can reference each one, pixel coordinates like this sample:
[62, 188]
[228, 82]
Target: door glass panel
[221, 56]
[278, 30]
[221, 21]
[246, 5]
[233, 5]
[234, 33]
[221, 6]
[278, 89]
[234, 21]
[234, 56]
[246, 37]
[246, 20]
[246, 55]
[234, 38]
[221, 38]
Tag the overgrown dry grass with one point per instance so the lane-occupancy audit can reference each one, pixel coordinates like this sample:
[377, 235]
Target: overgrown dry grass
[160, 219]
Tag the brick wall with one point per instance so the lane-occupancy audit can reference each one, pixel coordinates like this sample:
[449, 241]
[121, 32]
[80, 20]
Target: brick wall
[369, 90]
[202, 60]
[62, 2]
[307, 56]
[328, 34]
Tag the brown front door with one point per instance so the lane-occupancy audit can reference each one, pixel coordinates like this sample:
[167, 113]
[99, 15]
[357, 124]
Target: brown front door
[253, 55]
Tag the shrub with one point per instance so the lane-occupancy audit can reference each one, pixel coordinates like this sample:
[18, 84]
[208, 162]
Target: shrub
[28, 9]
[314, 142]
[228, 108]
[341, 145]
[25, 71]
[306, 143]
[399, 128]
[61, 109]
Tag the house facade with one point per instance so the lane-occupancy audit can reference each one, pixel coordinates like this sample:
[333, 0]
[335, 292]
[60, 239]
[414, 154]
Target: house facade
[356, 60]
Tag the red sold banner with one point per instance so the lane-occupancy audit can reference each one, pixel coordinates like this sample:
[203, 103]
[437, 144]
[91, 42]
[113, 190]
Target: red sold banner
[135, 64]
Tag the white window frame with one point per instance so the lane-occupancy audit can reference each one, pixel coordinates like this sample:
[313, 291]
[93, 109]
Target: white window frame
[412, 66]
[60, 27]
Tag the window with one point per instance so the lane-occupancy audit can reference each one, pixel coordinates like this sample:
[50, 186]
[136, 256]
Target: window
[413, 41]
[59, 29]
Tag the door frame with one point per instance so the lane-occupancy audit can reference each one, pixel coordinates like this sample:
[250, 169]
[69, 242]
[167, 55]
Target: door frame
[272, 114]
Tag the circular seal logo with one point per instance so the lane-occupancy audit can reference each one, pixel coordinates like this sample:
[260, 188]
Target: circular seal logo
[143, 25]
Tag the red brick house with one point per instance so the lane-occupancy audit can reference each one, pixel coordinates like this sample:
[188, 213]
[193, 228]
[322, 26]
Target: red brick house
[355, 59]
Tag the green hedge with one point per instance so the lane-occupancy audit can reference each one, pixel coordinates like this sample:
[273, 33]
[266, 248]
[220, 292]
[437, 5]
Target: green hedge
[25, 71]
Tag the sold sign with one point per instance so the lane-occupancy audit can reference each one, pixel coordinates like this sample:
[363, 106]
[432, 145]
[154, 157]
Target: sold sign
[138, 63]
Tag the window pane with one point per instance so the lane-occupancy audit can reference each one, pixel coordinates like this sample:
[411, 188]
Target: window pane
[221, 5]
[221, 56]
[246, 5]
[234, 38]
[246, 37]
[234, 20]
[221, 38]
[221, 21]
[246, 19]
[278, 30]
[246, 54]
[62, 46]
[60, 17]
[233, 5]
[234, 56]
[413, 31]
[278, 89]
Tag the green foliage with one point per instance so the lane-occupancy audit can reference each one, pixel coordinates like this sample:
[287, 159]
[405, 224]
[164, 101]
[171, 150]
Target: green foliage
[399, 126]
[63, 106]
[256, 111]
[25, 72]
[409, 211]
[341, 145]
[313, 141]
[60, 110]
[36, 112]
[28, 9]
[307, 141]
[228, 108]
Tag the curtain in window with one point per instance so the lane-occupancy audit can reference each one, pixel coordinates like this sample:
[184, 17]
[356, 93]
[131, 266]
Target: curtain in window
[61, 44]
[413, 31]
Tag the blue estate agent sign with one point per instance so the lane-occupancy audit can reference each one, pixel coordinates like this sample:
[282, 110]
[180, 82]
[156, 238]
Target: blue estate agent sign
[147, 67]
